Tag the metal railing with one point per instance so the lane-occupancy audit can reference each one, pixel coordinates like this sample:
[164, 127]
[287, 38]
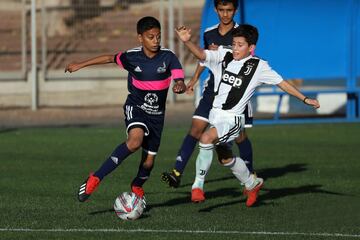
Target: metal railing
[50, 34]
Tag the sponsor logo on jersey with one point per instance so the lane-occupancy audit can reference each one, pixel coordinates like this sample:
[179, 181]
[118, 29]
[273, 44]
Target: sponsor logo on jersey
[248, 69]
[231, 79]
[137, 69]
[162, 69]
[151, 98]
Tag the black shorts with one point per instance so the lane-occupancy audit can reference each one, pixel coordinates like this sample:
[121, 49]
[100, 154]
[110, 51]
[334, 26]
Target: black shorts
[151, 124]
[205, 104]
[224, 151]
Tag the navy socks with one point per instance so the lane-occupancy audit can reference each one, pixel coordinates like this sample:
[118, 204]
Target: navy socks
[143, 173]
[246, 153]
[184, 154]
[142, 176]
[118, 155]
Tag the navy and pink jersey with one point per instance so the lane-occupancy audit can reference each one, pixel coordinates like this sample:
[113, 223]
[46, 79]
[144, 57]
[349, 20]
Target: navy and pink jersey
[149, 78]
[213, 36]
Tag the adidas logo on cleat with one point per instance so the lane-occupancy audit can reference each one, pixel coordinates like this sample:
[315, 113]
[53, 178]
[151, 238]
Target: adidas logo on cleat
[88, 187]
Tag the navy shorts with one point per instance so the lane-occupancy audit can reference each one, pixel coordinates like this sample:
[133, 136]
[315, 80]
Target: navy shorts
[205, 104]
[151, 124]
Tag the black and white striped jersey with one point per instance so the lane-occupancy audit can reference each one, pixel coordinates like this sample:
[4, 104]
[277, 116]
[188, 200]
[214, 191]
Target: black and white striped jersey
[236, 80]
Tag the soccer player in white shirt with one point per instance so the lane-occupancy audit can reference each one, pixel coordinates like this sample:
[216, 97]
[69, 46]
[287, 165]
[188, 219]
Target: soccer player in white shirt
[236, 74]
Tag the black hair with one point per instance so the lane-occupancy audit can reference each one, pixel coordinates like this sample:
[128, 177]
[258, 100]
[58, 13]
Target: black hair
[147, 23]
[249, 32]
[235, 3]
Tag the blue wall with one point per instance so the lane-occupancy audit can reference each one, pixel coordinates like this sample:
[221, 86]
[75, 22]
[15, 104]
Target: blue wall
[304, 39]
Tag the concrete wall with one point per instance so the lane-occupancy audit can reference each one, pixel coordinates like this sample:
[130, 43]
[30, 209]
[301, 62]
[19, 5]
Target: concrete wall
[107, 86]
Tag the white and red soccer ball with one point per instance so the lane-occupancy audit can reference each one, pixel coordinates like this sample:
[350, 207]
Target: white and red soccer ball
[129, 206]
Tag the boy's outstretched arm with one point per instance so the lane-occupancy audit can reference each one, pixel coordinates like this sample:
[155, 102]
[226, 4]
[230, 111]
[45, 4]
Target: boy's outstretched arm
[199, 69]
[290, 89]
[184, 34]
[190, 85]
[73, 67]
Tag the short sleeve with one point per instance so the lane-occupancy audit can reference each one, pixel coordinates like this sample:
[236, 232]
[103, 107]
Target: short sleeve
[177, 72]
[268, 75]
[121, 60]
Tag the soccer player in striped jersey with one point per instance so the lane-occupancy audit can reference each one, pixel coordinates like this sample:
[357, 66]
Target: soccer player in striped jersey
[236, 76]
[215, 36]
[151, 70]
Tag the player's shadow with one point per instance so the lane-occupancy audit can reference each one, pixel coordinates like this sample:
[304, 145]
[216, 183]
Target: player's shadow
[281, 171]
[7, 130]
[264, 173]
[149, 206]
[111, 211]
[264, 199]
[187, 185]
[233, 192]
[271, 194]
[102, 211]
[172, 202]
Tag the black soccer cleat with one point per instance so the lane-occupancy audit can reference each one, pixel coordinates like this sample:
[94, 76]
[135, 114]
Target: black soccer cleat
[172, 178]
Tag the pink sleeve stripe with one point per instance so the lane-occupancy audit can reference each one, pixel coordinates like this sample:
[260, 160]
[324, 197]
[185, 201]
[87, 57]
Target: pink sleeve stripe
[152, 85]
[118, 61]
[177, 73]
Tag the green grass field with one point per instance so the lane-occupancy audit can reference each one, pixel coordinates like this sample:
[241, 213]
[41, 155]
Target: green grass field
[311, 172]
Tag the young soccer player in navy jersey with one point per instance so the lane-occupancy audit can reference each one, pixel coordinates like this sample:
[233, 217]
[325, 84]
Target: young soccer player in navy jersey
[151, 70]
[215, 36]
[236, 76]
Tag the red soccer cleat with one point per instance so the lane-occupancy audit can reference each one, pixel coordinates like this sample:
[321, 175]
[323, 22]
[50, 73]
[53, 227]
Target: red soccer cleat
[88, 187]
[253, 193]
[197, 195]
[139, 191]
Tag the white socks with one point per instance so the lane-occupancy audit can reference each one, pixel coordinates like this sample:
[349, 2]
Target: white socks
[241, 172]
[237, 166]
[203, 163]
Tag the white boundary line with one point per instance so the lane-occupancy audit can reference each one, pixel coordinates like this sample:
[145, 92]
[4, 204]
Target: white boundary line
[178, 231]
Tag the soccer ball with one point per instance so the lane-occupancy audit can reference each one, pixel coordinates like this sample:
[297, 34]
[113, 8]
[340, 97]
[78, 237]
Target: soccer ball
[129, 206]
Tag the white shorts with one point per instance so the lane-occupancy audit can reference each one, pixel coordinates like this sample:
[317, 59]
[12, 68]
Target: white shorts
[228, 125]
